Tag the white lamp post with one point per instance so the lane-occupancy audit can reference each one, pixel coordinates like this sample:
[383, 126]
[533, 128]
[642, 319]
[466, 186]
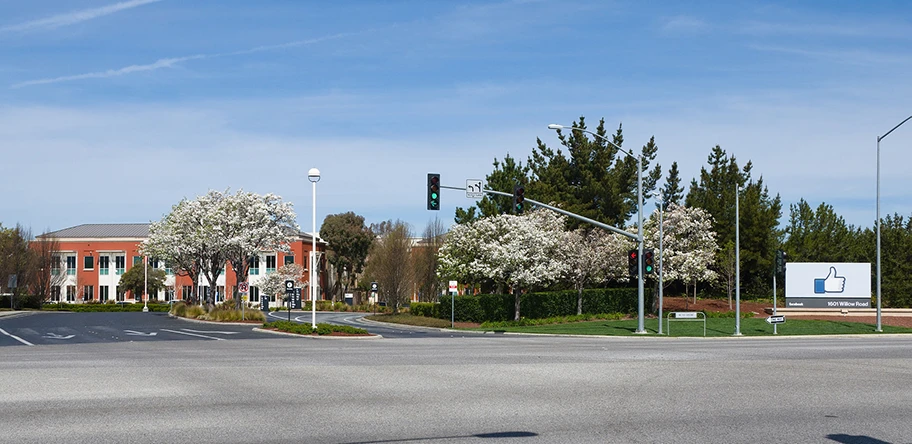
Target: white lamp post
[879, 138]
[661, 255]
[314, 176]
[146, 284]
[641, 328]
[737, 262]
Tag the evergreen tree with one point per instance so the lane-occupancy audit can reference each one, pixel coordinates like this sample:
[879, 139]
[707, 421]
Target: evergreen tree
[672, 192]
[592, 179]
[715, 193]
[504, 177]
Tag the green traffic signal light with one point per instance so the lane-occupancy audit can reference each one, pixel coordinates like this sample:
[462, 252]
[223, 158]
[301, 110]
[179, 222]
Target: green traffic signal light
[433, 200]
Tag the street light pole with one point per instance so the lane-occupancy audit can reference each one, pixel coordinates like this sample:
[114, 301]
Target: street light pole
[641, 328]
[737, 261]
[661, 256]
[146, 284]
[879, 138]
[314, 176]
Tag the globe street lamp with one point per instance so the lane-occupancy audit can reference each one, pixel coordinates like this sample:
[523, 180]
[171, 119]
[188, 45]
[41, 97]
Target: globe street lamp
[640, 304]
[879, 138]
[314, 176]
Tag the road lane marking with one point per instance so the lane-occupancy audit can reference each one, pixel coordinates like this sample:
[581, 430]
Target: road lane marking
[192, 334]
[139, 333]
[211, 332]
[17, 338]
[56, 336]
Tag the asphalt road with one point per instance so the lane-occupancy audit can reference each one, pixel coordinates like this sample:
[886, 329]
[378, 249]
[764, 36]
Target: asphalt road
[473, 389]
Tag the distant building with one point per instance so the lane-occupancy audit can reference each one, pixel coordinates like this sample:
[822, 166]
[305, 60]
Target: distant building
[94, 256]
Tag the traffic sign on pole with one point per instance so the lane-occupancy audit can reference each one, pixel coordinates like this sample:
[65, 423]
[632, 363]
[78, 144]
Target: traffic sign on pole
[777, 319]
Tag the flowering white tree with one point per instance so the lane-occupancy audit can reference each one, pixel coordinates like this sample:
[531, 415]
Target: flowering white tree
[689, 244]
[592, 256]
[250, 223]
[172, 240]
[274, 283]
[521, 251]
[199, 236]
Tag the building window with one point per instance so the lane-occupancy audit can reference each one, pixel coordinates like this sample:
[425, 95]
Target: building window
[55, 293]
[103, 293]
[104, 262]
[120, 264]
[270, 264]
[253, 263]
[254, 294]
[119, 295]
[71, 265]
[55, 265]
[289, 260]
[71, 293]
[88, 293]
[88, 263]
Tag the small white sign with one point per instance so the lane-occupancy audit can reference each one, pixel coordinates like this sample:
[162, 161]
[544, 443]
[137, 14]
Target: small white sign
[474, 189]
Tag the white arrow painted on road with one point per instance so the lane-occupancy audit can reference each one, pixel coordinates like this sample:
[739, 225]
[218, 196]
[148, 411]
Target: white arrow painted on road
[211, 332]
[139, 333]
[56, 336]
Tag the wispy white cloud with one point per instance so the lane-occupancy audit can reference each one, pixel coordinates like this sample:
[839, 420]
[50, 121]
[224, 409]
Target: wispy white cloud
[172, 61]
[74, 17]
[158, 64]
[683, 23]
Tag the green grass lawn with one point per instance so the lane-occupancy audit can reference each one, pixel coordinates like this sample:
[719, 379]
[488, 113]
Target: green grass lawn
[714, 327]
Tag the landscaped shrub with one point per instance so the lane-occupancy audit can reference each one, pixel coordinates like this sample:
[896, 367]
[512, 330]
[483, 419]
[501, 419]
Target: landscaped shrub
[426, 309]
[307, 329]
[499, 307]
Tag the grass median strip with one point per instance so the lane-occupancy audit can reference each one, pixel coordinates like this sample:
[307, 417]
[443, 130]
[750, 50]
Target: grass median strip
[717, 327]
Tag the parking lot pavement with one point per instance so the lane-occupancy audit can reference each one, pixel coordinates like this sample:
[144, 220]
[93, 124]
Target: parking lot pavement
[70, 328]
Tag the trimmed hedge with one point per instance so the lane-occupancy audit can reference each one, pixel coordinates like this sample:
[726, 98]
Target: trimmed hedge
[426, 309]
[499, 307]
[96, 307]
[307, 329]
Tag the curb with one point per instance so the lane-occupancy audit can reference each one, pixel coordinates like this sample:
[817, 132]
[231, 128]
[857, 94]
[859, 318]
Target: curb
[285, 333]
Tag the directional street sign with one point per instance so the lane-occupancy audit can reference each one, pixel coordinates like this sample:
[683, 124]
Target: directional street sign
[778, 319]
[474, 189]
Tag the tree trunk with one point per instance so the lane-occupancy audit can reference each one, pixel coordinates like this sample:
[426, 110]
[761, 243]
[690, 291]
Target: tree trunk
[516, 294]
[579, 301]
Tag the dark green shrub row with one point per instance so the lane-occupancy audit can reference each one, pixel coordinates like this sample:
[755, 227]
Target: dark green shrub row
[307, 329]
[95, 307]
[499, 307]
[525, 322]
[426, 309]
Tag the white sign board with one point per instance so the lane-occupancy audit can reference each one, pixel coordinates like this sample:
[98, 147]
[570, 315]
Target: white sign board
[828, 285]
[474, 189]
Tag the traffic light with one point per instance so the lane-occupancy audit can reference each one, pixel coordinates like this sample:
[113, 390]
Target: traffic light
[648, 261]
[633, 264]
[780, 261]
[433, 193]
[519, 199]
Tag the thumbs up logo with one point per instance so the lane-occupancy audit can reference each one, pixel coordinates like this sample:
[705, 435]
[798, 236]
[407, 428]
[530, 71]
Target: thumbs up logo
[830, 284]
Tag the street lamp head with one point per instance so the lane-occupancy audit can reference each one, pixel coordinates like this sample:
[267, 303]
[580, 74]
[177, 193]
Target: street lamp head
[313, 175]
[555, 126]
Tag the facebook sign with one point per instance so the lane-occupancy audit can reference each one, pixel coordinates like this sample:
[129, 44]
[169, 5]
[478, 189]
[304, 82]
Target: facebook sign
[828, 285]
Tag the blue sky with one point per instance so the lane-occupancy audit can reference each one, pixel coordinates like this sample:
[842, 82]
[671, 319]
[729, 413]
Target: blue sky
[114, 111]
